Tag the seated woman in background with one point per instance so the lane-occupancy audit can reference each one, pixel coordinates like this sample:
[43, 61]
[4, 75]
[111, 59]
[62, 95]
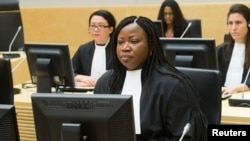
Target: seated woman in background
[174, 23]
[234, 55]
[164, 99]
[92, 59]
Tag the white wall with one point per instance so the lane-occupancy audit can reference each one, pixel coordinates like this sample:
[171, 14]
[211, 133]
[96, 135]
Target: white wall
[56, 3]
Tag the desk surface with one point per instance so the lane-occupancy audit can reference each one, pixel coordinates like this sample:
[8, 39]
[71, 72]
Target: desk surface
[235, 115]
[25, 95]
[229, 114]
[25, 114]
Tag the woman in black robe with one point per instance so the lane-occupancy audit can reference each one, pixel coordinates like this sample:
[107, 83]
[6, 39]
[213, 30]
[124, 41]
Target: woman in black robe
[234, 54]
[93, 58]
[164, 99]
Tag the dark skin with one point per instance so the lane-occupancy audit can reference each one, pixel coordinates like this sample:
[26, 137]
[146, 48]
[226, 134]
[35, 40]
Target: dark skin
[132, 47]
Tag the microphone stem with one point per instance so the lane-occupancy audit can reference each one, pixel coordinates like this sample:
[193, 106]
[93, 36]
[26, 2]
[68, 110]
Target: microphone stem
[14, 38]
[245, 81]
[181, 137]
[188, 26]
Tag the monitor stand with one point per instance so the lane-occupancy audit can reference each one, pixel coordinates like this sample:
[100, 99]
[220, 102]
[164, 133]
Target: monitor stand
[44, 77]
[72, 131]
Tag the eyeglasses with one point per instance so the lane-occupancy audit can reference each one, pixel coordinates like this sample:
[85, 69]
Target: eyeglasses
[92, 27]
[168, 14]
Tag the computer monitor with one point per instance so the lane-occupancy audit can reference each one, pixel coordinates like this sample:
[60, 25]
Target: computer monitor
[159, 27]
[191, 52]
[49, 65]
[83, 117]
[6, 82]
[8, 123]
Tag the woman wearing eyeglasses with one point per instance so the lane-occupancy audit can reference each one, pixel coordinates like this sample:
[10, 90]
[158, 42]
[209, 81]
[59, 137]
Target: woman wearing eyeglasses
[93, 58]
[174, 23]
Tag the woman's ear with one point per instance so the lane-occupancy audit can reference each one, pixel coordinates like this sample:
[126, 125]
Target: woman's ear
[111, 29]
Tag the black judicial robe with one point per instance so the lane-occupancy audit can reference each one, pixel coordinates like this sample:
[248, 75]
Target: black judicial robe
[82, 59]
[224, 58]
[166, 105]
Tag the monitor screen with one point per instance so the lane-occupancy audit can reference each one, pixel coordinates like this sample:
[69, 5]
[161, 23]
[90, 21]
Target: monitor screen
[8, 123]
[159, 28]
[6, 82]
[83, 117]
[49, 65]
[191, 52]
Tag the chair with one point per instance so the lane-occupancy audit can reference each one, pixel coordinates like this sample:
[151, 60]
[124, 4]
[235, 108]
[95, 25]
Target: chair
[6, 82]
[195, 28]
[10, 18]
[159, 27]
[208, 82]
[226, 37]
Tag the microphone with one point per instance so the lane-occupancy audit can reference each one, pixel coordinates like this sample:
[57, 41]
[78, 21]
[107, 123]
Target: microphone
[188, 26]
[245, 81]
[241, 102]
[9, 54]
[14, 38]
[186, 129]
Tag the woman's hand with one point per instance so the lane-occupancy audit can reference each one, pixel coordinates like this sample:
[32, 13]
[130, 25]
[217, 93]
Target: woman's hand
[227, 90]
[234, 89]
[84, 81]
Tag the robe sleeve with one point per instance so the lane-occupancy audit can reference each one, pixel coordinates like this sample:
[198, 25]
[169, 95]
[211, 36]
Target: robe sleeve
[183, 108]
[101, 86]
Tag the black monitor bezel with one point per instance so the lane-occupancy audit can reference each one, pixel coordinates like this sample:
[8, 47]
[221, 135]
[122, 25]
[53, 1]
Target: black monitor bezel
[6, 87]
[58, 52]
[52, 110]
[204, 48]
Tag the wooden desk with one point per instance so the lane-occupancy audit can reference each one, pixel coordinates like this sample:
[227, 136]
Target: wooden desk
[230, 115]
[19, 66]
[235, 115]
[24, 111]
[25, 115]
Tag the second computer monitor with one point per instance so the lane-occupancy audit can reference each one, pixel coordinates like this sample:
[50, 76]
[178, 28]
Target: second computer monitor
[49, 65]
[83, 117]
[191, 52]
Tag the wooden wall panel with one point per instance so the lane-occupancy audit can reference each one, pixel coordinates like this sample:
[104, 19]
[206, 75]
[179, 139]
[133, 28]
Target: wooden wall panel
[70, 24]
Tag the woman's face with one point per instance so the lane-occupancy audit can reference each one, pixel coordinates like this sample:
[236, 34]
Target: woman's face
[99, 29]
[168, 15]
[132, 46]
[238, 27]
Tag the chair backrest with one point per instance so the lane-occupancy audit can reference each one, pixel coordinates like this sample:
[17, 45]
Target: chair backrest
[208, 82]
[195, 28]
[11, 20]
[6, 82]
[7, 5]
[159, 26]
[226, 37]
